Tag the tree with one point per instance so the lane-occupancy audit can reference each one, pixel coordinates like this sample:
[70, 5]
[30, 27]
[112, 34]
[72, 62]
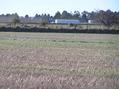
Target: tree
[105, 17]
[92, 16]
[57, 15]
[84, 18]
[64, 14]
[36, 15]
[16, 19]
[76, 15]
[116, 18]
[26, 16]
[7, 14]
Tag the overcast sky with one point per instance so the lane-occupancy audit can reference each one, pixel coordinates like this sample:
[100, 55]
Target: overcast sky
[31, 7]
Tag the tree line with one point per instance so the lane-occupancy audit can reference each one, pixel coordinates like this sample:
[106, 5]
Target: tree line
[107, 17]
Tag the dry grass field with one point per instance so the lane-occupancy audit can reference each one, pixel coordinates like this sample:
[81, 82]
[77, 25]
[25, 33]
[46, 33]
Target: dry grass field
[59, 61]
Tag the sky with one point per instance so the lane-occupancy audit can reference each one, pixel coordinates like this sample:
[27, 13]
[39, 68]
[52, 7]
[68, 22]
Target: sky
[31, 7]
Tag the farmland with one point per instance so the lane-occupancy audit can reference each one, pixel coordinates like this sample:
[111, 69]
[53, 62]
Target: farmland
[59, 61]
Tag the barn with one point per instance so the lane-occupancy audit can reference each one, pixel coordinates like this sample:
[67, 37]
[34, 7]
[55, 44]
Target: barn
[67, 21]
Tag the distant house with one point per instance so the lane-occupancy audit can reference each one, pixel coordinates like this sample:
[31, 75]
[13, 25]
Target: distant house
[66, 21]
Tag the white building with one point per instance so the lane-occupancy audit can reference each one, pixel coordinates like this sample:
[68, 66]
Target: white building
[67, 21]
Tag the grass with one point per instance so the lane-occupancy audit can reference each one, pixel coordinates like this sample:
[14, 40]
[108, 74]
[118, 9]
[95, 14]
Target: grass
[63, 61]
[38, 43]
[47, 70]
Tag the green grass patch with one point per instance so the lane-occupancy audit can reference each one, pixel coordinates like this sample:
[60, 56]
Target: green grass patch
[55, 43]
